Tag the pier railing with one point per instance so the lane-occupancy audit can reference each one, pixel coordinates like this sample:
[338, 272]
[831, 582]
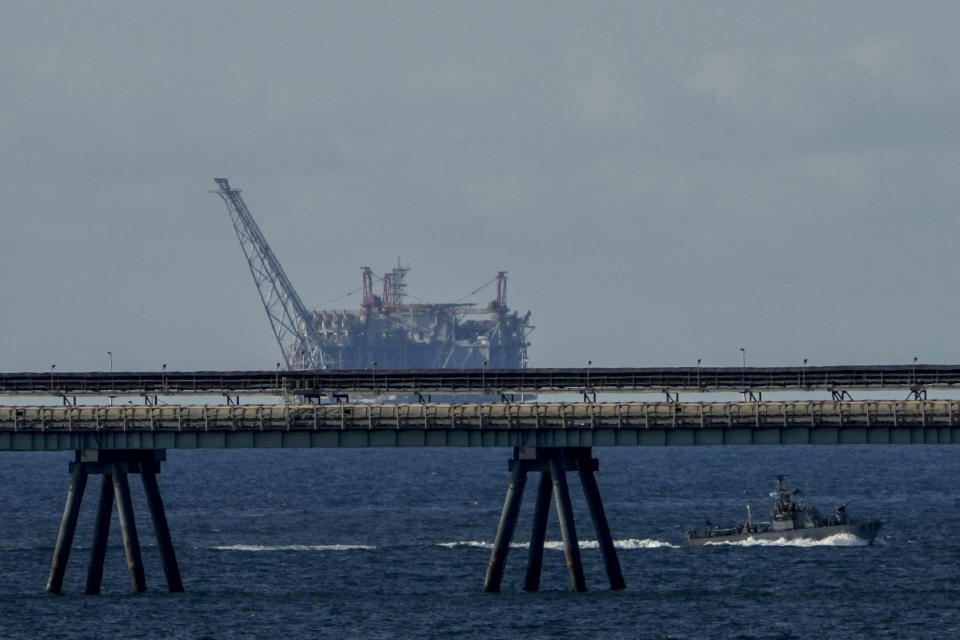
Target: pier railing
[481, 381]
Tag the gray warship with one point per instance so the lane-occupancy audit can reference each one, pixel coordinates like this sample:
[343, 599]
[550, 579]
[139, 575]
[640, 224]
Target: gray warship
[791, 520]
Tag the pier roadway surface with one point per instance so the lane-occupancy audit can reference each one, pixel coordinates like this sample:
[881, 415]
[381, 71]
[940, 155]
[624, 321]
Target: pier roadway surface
[581, 424]
[481, 381]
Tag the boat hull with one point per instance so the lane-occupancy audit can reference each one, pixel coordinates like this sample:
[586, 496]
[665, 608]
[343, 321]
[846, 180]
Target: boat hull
[866, 530]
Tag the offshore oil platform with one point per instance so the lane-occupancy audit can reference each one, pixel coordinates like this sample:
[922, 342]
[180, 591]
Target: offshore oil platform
[386, 332]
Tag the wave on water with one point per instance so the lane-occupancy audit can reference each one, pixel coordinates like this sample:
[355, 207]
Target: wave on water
[633, 543]
[470, 543]
[294, 547]
[557, 545]
[836, 540]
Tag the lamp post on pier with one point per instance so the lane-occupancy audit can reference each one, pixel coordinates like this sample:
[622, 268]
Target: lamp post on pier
[110, 360]
[743, 371]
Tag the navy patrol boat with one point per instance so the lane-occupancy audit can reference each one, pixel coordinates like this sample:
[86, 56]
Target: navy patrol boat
[791, 520]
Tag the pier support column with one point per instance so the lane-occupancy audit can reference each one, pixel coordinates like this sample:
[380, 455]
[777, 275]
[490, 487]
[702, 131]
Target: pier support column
[552, 463]
[115, 467]
[505, 530]
[101, 533]
[128, 528]
[68, 525]
[571, 547]
[162, 531]
[604, 538]
[538, 534]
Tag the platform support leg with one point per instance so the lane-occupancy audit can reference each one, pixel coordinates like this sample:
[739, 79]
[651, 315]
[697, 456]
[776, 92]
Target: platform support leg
[506, 528]
[170, 567]
[538, 534]
[128, 527]
[68, 525]
[571, 547]
[553, 464]
[101, 533]
[604, 539]
[115, 465]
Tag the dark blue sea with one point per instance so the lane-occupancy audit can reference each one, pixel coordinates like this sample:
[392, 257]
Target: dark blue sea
[394, 543]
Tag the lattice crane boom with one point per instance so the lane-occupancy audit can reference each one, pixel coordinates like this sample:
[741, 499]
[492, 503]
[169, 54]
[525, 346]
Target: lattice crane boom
[289, 318]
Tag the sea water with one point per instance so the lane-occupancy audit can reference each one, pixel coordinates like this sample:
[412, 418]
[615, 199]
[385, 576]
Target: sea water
[387, 543]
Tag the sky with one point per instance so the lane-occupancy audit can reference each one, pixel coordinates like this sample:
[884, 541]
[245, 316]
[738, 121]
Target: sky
[663, 181]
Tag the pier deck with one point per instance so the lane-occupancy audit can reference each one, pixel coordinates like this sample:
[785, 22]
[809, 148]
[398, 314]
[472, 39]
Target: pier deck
[555, 424]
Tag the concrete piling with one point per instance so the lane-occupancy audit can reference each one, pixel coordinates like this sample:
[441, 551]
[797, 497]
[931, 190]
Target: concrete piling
[538, 533]
[162, 531]
[604, 539]
[571, 547]
[68, 525]
[128, 527]
[506, 528]
[101, 533]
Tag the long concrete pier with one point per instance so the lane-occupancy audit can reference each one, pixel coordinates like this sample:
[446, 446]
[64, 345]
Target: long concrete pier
[547, 438]
[557, 424]
[481, 381]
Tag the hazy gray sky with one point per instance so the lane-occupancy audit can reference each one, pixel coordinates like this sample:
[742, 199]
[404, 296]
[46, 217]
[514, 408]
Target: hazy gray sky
[663, 181]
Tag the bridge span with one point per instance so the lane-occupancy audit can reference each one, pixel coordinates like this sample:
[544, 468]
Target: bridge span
[482, 381]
